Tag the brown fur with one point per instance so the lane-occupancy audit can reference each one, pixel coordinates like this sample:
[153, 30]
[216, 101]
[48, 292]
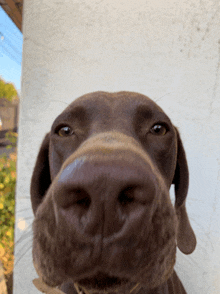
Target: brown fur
[100, 240]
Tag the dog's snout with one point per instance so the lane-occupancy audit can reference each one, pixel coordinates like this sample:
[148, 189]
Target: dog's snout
[104, 195]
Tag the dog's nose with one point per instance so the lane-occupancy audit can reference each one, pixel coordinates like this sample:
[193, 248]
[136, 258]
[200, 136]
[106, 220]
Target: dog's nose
[105, 195]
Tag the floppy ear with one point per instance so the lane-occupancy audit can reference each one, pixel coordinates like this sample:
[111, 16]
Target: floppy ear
[40, 180]
[186, 240]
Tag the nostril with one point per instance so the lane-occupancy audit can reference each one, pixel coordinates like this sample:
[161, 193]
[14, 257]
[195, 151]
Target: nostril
[126, 196]
[82, 198]
[73, 197]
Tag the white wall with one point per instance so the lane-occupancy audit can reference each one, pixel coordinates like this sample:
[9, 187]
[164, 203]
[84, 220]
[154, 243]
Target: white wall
[168, 50]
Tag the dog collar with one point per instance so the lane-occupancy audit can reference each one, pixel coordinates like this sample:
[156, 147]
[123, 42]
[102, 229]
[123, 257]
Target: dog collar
[82, 290]
[44, 288]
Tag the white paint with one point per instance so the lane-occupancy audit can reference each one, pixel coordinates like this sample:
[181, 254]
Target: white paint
[168, 50]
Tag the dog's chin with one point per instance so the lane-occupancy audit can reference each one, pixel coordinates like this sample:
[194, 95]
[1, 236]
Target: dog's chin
[102, 281]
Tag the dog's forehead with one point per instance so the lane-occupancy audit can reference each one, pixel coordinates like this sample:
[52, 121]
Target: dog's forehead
[117, 100]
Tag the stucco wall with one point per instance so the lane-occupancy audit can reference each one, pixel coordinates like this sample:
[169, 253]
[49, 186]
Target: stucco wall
[168, 50]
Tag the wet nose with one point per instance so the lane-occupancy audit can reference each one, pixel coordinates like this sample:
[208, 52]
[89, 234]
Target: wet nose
[105, 196]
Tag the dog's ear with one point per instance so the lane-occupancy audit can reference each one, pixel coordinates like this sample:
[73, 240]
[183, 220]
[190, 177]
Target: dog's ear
[186, 240]
[40, 180]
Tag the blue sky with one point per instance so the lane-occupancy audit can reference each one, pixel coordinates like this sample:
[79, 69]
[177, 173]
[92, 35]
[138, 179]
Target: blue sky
[11, 40]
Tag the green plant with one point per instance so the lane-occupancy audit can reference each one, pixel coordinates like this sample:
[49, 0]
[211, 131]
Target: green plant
[7, 90]
[7, 210]
[12, 137]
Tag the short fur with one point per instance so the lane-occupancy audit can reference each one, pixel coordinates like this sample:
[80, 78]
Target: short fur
[100, 195]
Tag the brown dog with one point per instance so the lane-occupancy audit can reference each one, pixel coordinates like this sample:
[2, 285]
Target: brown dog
[100, 195]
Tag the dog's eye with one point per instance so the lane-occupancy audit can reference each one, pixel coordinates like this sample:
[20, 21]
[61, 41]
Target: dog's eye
[65, 131]
[159, 130]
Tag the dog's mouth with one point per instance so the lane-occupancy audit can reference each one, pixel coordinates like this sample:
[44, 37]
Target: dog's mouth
[102, 281]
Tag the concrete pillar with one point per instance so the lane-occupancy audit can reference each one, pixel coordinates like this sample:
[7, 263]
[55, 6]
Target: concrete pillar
[168, 50]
